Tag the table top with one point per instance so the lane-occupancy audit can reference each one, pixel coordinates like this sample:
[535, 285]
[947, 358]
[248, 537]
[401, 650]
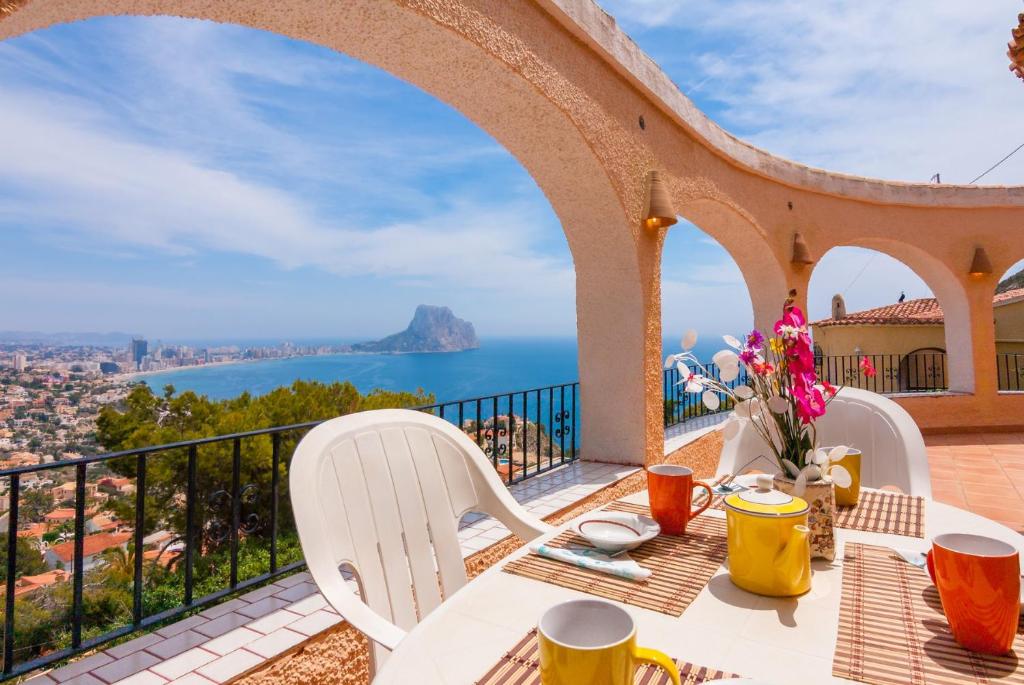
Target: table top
[779, 640]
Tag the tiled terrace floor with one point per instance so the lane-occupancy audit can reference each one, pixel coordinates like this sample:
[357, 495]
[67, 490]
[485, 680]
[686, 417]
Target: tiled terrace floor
[983, 473]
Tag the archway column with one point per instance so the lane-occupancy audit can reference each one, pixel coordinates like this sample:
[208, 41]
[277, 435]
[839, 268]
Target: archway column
[618, 310]
[981, 335]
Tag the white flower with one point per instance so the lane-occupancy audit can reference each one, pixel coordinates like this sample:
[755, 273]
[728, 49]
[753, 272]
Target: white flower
[729, 373]
[744, 392]
[726, 358]
[711, 400]
[683, 369]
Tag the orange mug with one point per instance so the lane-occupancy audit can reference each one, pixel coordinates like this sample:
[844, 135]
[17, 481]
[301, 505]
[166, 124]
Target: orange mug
[979, 584]
[670, 488]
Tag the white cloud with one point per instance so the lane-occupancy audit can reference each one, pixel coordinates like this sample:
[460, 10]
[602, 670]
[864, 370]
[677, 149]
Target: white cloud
[896, 90]
[94, 183]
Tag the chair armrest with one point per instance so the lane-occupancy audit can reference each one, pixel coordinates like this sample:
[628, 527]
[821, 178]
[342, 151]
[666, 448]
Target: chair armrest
[352, 609]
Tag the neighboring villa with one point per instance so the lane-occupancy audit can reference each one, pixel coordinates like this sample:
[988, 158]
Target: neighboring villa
[60, 556]
[909, 337]
[911, 326]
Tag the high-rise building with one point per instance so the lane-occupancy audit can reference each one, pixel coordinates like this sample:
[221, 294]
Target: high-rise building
[20, 361]
[139, 349]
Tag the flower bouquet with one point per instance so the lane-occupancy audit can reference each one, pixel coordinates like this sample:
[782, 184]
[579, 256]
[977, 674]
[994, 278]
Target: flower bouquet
[781, 399]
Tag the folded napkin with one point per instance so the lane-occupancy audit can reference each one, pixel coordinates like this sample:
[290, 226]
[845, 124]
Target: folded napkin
[593, 559]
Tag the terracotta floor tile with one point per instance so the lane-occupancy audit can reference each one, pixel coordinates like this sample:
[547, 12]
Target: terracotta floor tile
[979, 480]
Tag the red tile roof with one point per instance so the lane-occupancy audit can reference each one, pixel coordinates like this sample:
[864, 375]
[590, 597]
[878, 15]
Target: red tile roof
[923, 312]
[91, 544]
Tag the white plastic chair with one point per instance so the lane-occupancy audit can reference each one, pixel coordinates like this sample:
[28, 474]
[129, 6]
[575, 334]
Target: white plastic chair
[894, 451]
[383, 492]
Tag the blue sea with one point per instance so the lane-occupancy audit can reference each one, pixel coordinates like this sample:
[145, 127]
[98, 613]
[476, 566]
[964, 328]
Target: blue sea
[498, 366]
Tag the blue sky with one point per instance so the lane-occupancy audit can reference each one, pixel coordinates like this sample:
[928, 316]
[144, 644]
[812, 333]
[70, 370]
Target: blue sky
[184, 179]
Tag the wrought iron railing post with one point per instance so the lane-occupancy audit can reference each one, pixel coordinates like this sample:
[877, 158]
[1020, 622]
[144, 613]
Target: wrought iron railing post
[139, 537]
[12, 571]
[191, 538]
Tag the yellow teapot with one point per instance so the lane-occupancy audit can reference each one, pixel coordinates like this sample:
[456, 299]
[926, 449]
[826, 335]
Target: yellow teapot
[769, 541]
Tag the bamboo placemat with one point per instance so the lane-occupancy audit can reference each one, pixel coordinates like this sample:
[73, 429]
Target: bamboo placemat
[877, 511]
[892, 629]
[681, 566]
[520, 666]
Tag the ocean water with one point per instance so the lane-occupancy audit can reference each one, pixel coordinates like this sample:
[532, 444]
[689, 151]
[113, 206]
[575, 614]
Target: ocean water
[498, 366]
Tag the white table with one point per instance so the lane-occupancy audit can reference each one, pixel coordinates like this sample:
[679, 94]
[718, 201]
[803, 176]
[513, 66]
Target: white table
[777, 640]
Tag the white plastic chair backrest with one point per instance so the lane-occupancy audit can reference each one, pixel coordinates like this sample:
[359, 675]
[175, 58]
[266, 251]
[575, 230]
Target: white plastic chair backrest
[383, 492]
[893, 448]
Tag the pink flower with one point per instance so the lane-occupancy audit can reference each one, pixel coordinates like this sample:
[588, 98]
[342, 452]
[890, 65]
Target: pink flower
[755, 340]
[810, 403]
[868, 368]
[748, 356]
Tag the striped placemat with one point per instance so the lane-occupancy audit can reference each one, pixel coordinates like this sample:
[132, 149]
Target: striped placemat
[520, 666]
[681, 566]
[892, 629]
[877, 511]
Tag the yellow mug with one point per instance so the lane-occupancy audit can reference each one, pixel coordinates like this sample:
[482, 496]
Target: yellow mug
[594, 642]
[848, 497]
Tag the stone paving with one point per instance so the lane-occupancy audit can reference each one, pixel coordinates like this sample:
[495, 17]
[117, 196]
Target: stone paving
[982, 472]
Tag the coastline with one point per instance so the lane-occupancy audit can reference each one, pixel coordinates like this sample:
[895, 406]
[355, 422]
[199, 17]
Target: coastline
[138, 375]
[142, 375]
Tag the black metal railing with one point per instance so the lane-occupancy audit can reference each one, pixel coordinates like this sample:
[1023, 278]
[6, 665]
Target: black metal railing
[1010, 371]
[894, 373]
[681, 406]
[524, 432]
[223, 500]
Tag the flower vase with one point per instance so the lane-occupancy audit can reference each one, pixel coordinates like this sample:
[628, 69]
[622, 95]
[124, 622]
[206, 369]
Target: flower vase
[820, 497]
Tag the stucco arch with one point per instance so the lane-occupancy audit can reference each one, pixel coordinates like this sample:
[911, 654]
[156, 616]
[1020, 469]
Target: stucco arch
[469, 61]
[952, 297]
[588, 114]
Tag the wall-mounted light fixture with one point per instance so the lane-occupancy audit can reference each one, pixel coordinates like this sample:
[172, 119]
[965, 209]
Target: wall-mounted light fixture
[801, 253]
[659, 212]
[980, 265]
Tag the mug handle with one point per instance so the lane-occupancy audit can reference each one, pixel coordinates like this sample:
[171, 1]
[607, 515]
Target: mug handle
[659, 659]
[707, 503]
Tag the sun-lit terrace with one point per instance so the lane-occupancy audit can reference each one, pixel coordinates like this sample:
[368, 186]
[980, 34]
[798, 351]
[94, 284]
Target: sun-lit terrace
[414, 506]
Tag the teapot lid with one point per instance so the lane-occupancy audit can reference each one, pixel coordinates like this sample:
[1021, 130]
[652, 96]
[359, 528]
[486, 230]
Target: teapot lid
[766, 500]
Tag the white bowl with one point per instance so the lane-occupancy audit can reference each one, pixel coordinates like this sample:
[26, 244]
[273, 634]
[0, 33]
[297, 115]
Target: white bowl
[617, 531]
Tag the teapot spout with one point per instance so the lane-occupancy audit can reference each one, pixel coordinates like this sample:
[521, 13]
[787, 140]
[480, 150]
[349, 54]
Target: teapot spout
[792, 563]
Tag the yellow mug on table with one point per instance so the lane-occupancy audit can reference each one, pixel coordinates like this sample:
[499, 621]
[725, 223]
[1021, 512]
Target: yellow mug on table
[593, 642]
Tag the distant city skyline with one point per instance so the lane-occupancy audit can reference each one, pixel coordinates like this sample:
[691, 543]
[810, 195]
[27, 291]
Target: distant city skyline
[202, 181]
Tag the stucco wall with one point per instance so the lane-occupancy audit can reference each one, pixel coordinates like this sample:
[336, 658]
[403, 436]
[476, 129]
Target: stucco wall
[896, 340]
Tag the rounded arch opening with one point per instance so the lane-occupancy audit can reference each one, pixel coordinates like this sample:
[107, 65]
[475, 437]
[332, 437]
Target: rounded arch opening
[1008, 320]
[895, 307]
[506, 86]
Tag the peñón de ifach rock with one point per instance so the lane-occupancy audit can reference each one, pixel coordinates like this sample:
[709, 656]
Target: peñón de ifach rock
[433, 329]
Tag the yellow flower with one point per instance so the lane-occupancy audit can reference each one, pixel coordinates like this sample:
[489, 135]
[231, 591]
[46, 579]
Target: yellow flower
[776, 345]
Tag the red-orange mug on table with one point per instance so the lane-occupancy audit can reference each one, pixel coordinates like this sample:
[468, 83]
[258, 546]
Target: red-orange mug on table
[979, 583]
[670, 488]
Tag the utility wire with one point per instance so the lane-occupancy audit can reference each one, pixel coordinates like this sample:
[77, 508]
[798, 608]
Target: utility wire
[1015, 151]
[860, 273]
